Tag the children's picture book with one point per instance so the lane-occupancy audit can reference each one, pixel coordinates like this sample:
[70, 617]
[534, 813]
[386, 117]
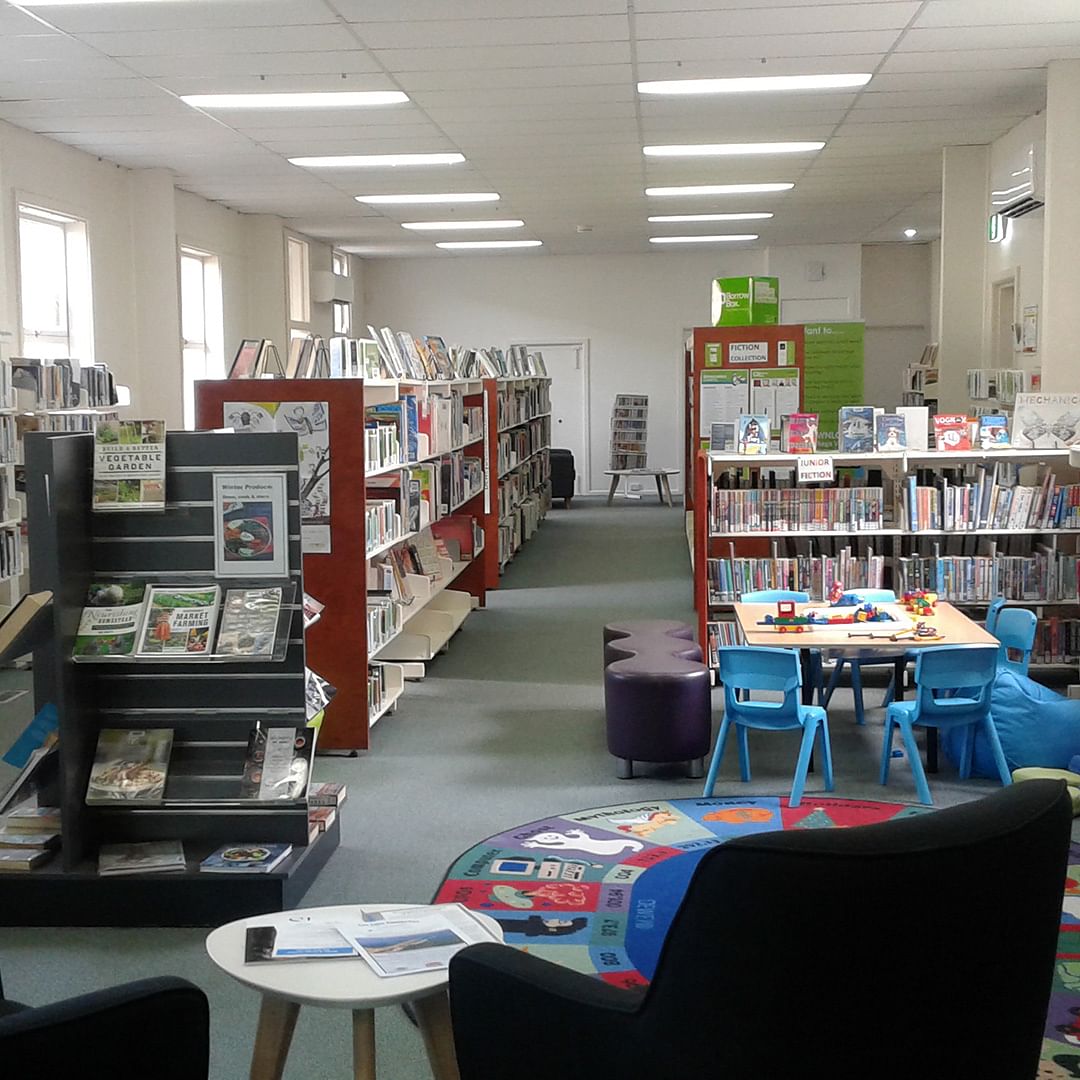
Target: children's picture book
[249, 620]
[277, 763]
[245, 858]
[149, 857]
[1046, 421]
[993, 431]
[129, 465]
[250, 525]
[856, 423]
[890, 432]
[754, 433]
[130, 765]
[798, 433]
[110, 621]
[952, 432]
[179, 621]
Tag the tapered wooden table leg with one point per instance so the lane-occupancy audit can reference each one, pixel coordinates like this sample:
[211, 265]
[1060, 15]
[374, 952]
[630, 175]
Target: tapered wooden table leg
[614, 487]
[277, 1019]
[363, 1044]
[433, 1018]
[660, 490]
[667, 489]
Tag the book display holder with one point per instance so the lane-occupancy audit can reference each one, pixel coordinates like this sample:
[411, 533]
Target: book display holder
[211, 707]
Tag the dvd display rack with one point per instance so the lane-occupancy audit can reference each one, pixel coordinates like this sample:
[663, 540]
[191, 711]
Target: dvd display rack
[629, 431]
[970, 525]
[211, 704]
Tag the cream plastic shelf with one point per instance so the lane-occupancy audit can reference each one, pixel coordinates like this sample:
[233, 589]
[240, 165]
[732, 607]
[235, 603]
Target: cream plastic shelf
[395, 687]
[429, 631]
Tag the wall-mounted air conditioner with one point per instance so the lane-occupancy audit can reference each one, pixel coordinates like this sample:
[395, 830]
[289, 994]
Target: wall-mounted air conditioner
[1016, 185]
[327, 286]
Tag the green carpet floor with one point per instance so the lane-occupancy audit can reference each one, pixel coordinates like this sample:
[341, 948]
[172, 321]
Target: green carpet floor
[507, 728]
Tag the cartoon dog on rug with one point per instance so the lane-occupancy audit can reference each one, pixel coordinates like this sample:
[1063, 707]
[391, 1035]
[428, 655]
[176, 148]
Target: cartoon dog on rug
[579, 840]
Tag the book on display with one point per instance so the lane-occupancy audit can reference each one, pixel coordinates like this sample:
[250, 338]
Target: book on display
[856, 424]
[246, 858]
[111, 619]
[149, 857]
[130, 766]
[890, 432]
[754, 433]
[249, 622]
[179, 621]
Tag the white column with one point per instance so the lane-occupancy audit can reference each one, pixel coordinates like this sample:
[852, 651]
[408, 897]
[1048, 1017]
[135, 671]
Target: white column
[963, 253]
[1059, 344]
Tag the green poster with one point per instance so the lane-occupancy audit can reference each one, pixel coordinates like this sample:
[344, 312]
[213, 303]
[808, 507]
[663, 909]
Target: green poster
[714, 354]
[832, 374]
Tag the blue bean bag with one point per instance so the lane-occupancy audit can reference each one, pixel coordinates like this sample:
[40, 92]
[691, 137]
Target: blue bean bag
[1036, 725]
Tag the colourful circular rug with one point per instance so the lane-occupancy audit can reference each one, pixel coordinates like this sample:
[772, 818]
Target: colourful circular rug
[595, 890]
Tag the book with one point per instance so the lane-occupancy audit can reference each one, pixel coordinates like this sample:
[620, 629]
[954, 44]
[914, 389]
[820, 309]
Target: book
[28, 817]
[178, 621]
[754, 433]
[245, 858]
[110, 621]
[313, 610]
[15, 859]
[277, 763]
[328, 794]
[1046, 421]
[798, 433]
[16, 632]
[250, 525]
[993, 431]
[249, 621]
[319, 693]
[129, 465]
[23, 840]
[322, 817]
[246, 360]
[916, 425]
[150, 857]
[952, 432]
[40, 765]
[890, 432]
[722, 436]
[130, 765]
[856, 423]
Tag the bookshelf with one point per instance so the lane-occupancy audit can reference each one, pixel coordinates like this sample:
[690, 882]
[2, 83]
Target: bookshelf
[629, 431]
[969, 525]
[210, 704]
[919, 384]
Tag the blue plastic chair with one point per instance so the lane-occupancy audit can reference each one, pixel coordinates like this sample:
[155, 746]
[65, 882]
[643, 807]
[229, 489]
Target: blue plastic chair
[771, 596]
[856, 663]
[776, 670]
[937, 672]
[1015, 628]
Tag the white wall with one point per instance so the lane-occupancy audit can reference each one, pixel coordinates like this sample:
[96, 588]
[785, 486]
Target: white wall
[896, 309]
[836, 297]
[632, 309]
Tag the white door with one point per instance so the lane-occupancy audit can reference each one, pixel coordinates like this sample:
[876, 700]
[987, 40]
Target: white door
[567, 364]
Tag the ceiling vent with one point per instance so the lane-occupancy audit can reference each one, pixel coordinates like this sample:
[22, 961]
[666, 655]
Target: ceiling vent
[1016, 186]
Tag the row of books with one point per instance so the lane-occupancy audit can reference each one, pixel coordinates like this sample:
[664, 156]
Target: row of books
[521, 523]
[1057, 641]
[516, 404]
[11, 560]
[385, 617]
[986, 504]
[729, 578]
[415, 427]
[520, 443]
[1044, 575]
[426, 358]
[131, 618]
[376, 687]
[60, 384]
[999, 384]
[718, 634]
[383, 522]
[533, 473]
[796, 510]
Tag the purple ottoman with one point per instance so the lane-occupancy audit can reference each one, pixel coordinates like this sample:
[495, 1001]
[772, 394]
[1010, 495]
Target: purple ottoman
[656, 695]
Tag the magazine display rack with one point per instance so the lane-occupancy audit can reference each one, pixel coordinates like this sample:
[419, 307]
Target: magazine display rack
[629, 431]
[756, 529]
[210, 706]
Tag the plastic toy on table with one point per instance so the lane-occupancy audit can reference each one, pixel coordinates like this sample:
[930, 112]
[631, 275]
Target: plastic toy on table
[798, 624]
[920, 602]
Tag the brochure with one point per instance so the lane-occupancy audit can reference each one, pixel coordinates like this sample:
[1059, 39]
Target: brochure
[277, 763]
[250, 525]
[110, 621]
[129, 465]
[249, 619]
[178, 621]
[130, 765]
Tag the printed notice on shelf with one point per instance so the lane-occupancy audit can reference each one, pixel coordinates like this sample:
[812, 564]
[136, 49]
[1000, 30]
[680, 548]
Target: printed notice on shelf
[815, 469]
[724, 395]
[748, 352]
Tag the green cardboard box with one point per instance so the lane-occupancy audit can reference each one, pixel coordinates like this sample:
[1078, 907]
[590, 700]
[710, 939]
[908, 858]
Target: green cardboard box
[746, 301]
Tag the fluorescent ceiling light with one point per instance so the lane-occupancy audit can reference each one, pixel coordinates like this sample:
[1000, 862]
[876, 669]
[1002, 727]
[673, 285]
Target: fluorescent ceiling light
[754, 84]
[702, 239]
[439, 226]
[334, 99]
[718, 189]
[444, 197]
[756, 216]
[467, 245]
[375, 161]
[731, 149]
[911, 233]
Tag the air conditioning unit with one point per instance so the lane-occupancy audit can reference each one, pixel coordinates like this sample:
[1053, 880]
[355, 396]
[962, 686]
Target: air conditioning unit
[327, 286]
[1016, 186]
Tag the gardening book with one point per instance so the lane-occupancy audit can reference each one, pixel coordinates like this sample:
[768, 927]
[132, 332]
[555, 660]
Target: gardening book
[150, 857]
[178, 621]
[130, 766]
[754, 433]
[129, 465]
[798, 433]
[277, 763]
[856, 429]
[951, 432]
[890, 432]
[249, 621]
[245, 858]
[110, 622]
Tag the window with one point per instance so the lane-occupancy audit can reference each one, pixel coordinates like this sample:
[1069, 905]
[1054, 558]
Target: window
[201, 324]
[299, 282]
[342, 316]
[56, 305]
[339, 263]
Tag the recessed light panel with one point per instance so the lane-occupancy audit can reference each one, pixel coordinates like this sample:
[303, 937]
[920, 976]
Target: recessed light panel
[316, 100]
[755, 216]
[755, 84]
[441, 226]
[702, 239]
[717, 189]
[375, 161]
[478, 245]
[731, 149]
[433, 199]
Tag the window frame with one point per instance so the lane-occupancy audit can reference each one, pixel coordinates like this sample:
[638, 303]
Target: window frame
[212, 347]
[298, 284]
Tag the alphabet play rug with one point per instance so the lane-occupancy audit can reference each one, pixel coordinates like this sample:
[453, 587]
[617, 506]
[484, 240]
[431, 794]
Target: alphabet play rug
[595, 890]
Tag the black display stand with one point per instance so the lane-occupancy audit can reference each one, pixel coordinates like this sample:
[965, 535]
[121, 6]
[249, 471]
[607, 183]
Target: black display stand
[210, 704]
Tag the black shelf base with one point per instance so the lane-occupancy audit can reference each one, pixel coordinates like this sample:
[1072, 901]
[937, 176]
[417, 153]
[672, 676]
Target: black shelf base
[53, 897]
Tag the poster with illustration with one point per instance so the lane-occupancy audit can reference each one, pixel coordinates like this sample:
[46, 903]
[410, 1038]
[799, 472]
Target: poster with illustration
[250, 525]
[310, 420]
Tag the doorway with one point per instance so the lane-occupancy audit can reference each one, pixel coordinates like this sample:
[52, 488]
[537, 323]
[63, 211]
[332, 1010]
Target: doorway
[1003, 322]
[567, 364]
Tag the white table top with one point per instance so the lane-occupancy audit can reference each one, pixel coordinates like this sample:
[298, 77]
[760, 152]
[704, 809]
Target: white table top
[346, 983]
[640, 472]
